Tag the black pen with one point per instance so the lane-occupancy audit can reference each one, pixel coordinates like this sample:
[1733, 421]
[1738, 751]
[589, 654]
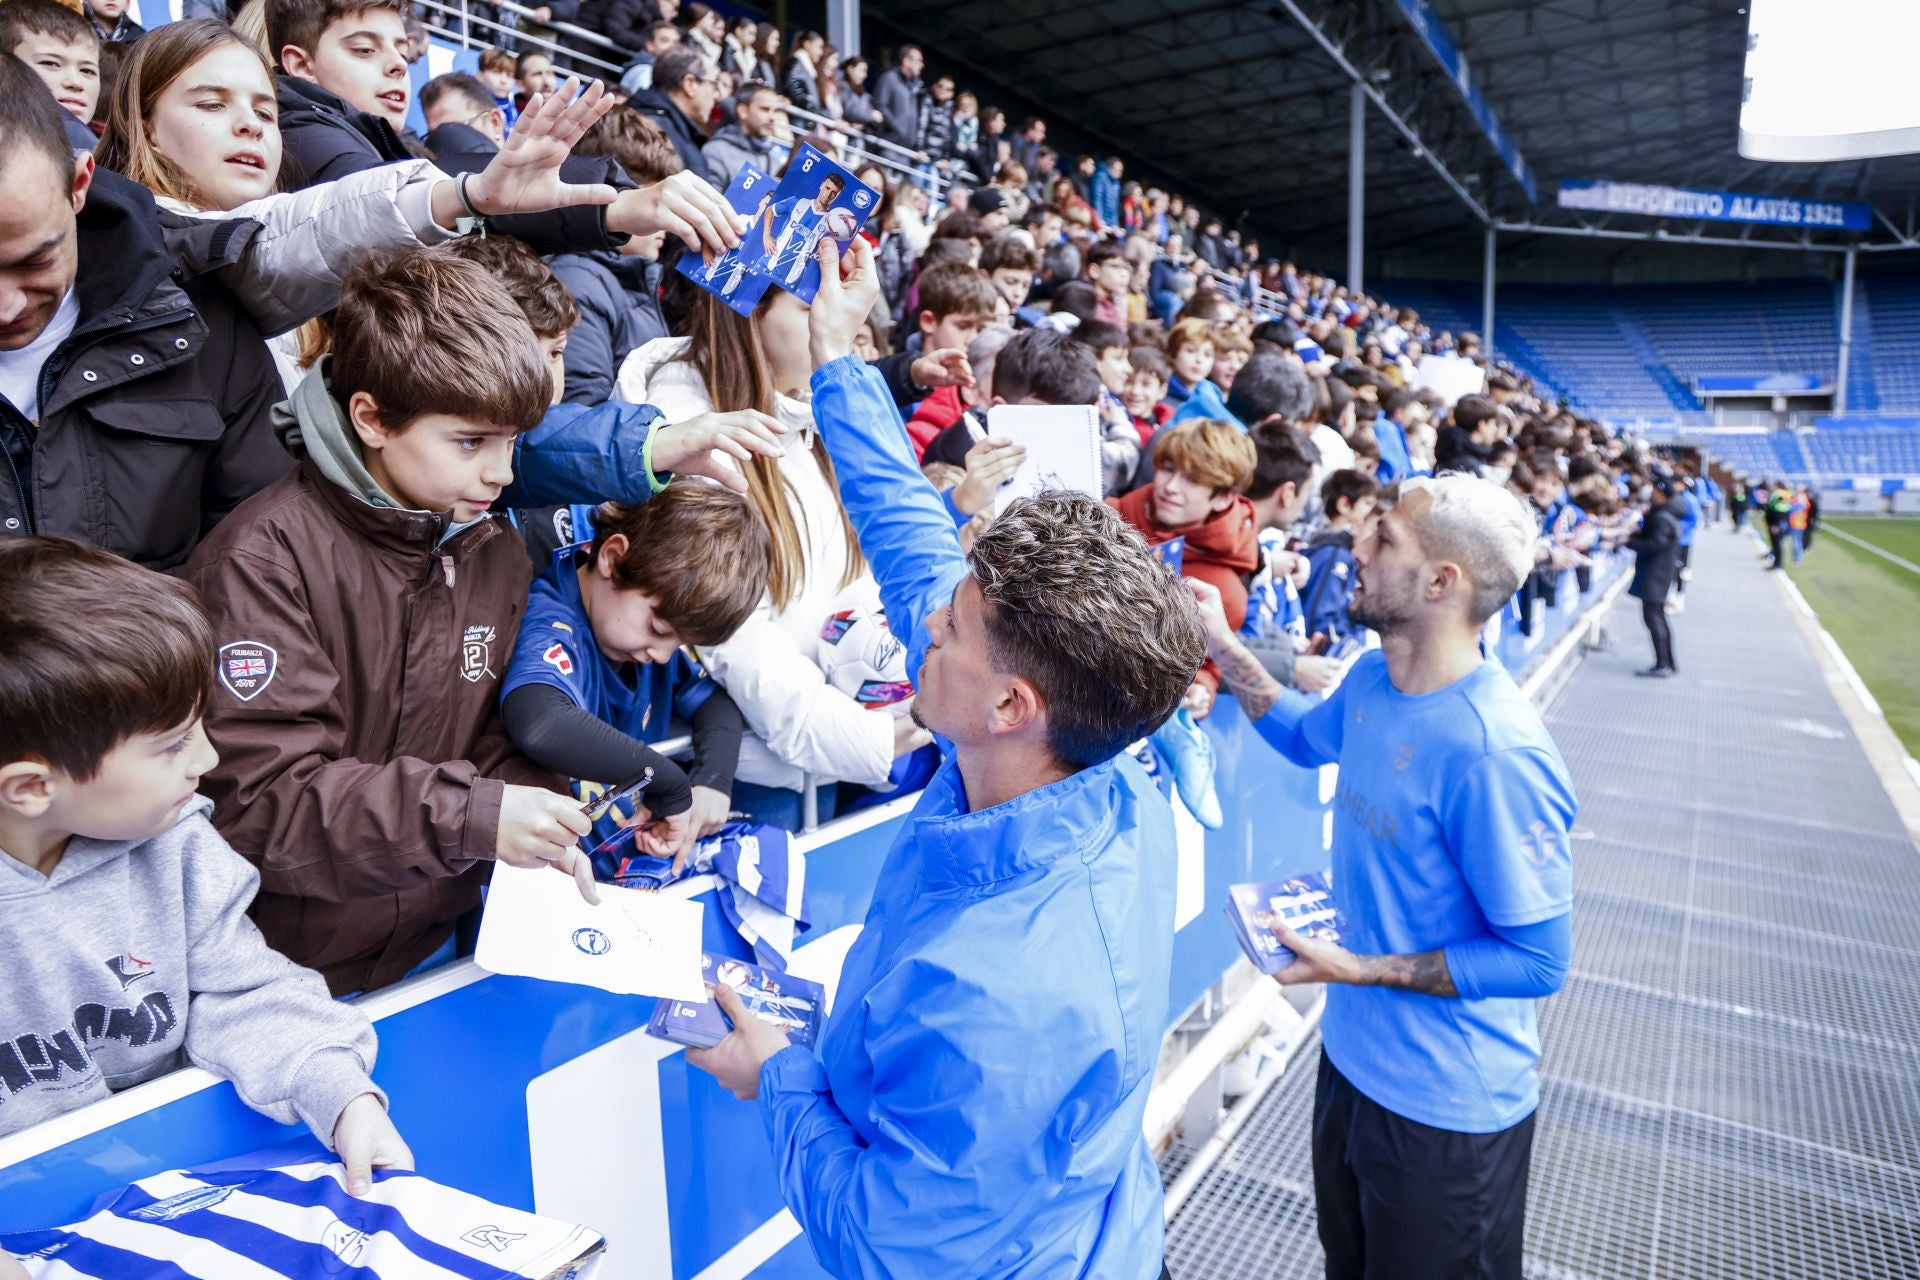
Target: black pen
[627, 790]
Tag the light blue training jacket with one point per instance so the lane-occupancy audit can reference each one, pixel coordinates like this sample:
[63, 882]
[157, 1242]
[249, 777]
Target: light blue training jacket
[975, 1105]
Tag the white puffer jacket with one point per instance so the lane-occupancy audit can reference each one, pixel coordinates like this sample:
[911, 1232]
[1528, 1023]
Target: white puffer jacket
[800, 723]
[309, 239]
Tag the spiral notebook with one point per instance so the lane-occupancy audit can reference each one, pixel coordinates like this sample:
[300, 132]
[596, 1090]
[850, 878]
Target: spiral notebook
[1063, 448]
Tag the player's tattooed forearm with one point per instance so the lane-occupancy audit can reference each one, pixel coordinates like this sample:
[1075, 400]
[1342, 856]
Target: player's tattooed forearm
[1426, 973]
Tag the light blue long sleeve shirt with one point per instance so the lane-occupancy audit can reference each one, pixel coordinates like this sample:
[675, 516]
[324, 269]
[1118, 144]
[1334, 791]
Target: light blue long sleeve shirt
[975, 1105]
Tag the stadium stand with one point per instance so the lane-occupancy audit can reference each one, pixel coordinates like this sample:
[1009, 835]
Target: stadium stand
[1893, 346]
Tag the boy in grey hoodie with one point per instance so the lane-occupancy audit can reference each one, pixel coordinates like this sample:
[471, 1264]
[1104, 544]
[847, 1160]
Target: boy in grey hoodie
[123, 928]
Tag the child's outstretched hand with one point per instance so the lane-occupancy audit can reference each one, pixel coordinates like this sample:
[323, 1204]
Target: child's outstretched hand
[683, 205]
[709, 812]
[688, 448]
[524, 177]
[670, 837]
[364, 1138]
[943, 368]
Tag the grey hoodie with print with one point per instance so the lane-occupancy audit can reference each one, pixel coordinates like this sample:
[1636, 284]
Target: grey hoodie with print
[136, 957]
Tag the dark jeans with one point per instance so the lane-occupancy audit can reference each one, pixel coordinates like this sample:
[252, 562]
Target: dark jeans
[1399, 1200]
[1654, 613]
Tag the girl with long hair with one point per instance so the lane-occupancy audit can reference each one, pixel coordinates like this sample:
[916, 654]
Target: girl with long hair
[801, 724]
[194, 119]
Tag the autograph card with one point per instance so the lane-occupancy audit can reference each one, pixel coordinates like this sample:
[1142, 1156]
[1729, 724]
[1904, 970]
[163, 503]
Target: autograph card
[730, 276]
[816, 198]
[793, 1004]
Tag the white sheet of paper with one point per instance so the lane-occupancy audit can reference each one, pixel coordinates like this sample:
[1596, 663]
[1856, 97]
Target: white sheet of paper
[1063, 448]
[1450, 377]
[634, 943]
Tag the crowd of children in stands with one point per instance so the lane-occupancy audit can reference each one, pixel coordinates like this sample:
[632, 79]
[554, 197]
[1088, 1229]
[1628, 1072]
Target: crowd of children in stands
[434, 588]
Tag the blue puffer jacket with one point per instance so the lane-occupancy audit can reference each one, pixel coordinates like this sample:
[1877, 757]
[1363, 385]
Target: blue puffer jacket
[619, 314]
[1689, 516]
[975, 1105]
[1205, 400]
[580, 454]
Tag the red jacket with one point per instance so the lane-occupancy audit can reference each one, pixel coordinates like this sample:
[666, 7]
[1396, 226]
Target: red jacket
[932, 416]
[1224, 552]
[1156, 418]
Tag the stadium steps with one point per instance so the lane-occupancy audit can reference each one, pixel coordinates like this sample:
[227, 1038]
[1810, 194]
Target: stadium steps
[1678, 392]
[1732, 1076]
[1895, 334]
[1571, 330]
[1863, 389]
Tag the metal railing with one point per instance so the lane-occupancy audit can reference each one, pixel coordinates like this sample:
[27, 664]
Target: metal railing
[460, 21]
[576, 50]
[856, 149]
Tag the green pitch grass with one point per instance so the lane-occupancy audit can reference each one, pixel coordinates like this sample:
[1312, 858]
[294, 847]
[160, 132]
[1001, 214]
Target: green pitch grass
[1872, 607]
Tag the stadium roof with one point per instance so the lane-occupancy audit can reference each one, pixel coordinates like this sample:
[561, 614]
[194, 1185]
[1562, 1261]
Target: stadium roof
[1247, 105]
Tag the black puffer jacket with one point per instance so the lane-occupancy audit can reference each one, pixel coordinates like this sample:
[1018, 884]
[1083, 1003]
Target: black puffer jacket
[686, 136]
[323, 138]
[1656, 551]
[154, 413]
[624, 22]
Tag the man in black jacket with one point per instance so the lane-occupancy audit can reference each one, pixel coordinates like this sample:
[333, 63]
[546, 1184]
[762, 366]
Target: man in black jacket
[686, 85]
[134, 394]
[897, 98]
[625, 22]
[1656, 549]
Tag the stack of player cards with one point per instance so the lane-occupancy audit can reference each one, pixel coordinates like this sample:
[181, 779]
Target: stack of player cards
[814, 200]
[1304, 904]
[793, 1004]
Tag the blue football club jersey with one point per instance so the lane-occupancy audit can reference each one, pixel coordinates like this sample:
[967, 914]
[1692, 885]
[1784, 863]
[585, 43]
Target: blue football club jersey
[797, 227]
[298, 1222]
[1273, 603]
[556, 647]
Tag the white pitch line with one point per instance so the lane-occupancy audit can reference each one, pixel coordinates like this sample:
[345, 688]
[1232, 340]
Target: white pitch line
[1864, 545]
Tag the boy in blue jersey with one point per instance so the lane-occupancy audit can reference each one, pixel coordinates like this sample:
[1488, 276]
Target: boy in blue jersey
[1450, 850]
[1400, 412]
[1275, 629]
[1346, 497]
[599, 671]
[1692, 516]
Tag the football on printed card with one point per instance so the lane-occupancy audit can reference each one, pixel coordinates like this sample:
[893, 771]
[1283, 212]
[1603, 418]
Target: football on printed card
[863, 659]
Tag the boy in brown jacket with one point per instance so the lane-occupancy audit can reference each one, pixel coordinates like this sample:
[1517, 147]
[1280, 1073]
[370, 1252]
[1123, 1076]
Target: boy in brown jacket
[365, 607]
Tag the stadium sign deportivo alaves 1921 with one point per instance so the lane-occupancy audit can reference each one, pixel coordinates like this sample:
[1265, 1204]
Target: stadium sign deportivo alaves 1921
[1599, 196]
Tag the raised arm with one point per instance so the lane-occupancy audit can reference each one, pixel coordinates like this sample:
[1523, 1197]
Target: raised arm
[904, 528]
[1305, 732]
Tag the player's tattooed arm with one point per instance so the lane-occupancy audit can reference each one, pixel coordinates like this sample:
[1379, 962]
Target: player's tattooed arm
[1320, 960]
[1246, 676]
[1426, 973]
